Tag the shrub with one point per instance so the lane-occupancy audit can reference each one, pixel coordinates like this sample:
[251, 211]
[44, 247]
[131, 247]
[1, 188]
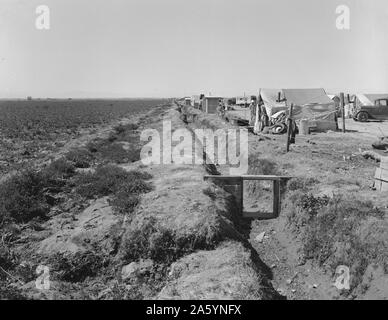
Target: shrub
[122, 128]
[333, 237]
[59, 169]
[148, 239]
[76, 267]
[113, 152]
[10, 292]
[301, 183]
[22, 197]
[304, 207]
[134, 186]
[8, 259]
[110, 179]
[81, 158]
[124, 203]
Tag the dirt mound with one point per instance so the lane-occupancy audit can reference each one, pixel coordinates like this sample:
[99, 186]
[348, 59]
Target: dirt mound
[226, 273]
[92, 227]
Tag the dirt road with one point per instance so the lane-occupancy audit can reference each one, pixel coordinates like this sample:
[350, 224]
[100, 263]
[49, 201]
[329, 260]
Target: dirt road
[368, 130]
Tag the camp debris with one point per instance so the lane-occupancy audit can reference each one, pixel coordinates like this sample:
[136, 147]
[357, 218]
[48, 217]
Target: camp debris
[381, 144]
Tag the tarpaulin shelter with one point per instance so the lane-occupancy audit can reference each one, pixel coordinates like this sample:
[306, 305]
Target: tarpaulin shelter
[312, 105]
[272, 104]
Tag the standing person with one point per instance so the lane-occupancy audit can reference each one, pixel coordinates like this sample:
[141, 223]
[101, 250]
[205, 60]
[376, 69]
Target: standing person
[221, 109]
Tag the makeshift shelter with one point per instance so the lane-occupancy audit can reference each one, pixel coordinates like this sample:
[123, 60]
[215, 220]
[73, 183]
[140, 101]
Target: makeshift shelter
[210, 104]
[272, 103]
[244, 101]
[313, 106]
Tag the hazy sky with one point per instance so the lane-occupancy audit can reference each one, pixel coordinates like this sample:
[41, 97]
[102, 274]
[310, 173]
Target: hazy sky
[132, 48]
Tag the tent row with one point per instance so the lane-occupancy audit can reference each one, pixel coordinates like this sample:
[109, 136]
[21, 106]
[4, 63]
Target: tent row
[313, 108]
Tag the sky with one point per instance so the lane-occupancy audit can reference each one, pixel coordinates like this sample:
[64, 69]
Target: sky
[174, 48]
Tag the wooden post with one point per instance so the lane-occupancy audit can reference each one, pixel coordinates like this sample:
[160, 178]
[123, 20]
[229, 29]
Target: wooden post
[342, 97]
[276, 198]
[289, 124]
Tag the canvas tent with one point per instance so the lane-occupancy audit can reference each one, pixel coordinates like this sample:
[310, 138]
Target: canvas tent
[312, 105]
[369, 99]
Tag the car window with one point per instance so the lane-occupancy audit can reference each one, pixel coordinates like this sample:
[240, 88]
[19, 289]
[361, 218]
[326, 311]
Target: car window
[382, 103]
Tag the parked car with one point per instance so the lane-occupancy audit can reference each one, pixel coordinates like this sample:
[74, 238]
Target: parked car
[378, 111]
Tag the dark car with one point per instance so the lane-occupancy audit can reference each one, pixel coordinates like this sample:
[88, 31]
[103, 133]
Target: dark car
[378, 111]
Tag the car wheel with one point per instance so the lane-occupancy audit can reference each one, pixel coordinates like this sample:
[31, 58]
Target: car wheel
[362, 117]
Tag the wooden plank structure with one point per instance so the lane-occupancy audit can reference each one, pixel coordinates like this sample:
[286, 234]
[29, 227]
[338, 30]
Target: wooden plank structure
[235, 186]
[381, 175]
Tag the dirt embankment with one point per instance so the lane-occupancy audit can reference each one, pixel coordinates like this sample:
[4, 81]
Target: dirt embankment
[123, 230]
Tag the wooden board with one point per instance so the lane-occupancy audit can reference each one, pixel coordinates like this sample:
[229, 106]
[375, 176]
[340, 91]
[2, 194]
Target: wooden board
[381, 179]
[384, 163]
[381, 174]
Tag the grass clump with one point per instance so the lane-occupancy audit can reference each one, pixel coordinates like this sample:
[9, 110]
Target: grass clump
[22, 197]
[304, 208]
[301, 184]
[28, 194]
[124, 187]
[10, 292]
[8, 259]
[111, 179]
[110, 151]
[123, 128]
[76, 267]
[341, 231]
[148, 239]
[60, 169]
[80, 158]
